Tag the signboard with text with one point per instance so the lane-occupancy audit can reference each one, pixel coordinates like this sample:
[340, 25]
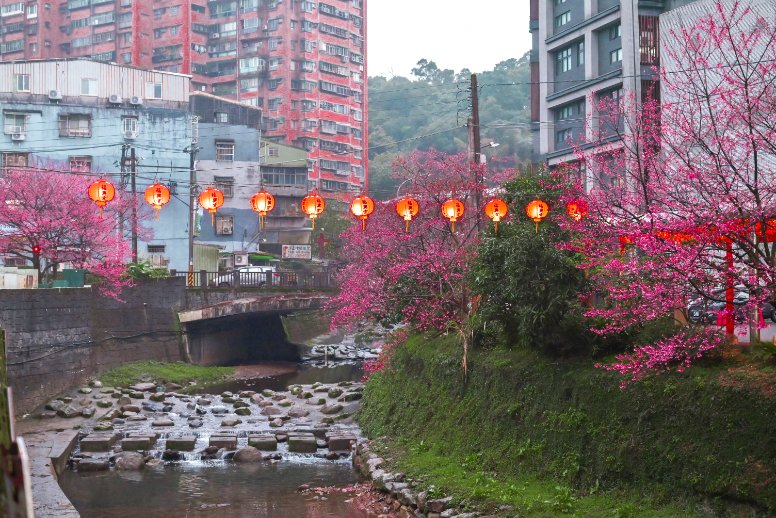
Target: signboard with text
[297, 252]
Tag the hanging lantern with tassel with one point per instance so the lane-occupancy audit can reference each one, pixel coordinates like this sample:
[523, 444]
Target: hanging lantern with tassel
[362, 207]
[453, 209]
[157, 195]
[211, 200]
[407, 208]
[537, 210]
[262, 202]
[101, 192]
[577, 209]
[496, 209]
[313, 206]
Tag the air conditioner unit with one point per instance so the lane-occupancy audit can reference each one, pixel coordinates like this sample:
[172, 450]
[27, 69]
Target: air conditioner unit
[18, 137]
[130, 135]
[135, 100]
[226, 231]
[115, 99]
[215, 35]
[55, 95]
[241, 259]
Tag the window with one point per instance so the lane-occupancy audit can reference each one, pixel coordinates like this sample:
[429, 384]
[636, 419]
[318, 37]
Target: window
[221, 117]
[225, 151]
[130, 124]
[581, 53]
[562, 19]
[224, 225]
[615, 31]
[274, 103]
[75, 125]
[11, 9]
[153, 90]
[32, 11]
[21, 82]
[156, 249]
[560, 2]
[563, 136]
[273, 151]
[563, 60]
[14, 122]
[13, 160]
[615, 56]
[80, 164]
[225, 184]
[88, 86]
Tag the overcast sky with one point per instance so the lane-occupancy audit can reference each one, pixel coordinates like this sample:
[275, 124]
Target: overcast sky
[456, 35]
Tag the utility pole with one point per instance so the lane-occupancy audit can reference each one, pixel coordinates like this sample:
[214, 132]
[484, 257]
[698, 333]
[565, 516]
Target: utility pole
[475, 149]
[192, 150]
[132, 179]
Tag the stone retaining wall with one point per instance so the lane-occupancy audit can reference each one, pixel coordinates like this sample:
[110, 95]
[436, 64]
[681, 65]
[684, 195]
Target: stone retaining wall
[57, 338]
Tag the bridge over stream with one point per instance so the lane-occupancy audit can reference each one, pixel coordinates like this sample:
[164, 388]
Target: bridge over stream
[53, 339]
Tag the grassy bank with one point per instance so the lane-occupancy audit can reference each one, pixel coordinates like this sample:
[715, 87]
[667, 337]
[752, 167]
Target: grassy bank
[561, 437]
[162, 372]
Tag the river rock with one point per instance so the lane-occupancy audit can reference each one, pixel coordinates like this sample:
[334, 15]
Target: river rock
[171, 387]
[278, 397]
[316, 401]
[167, 408]
[137, 418]
[240, 404]
[226, 393]
[271, 410]
[143, 387]
[228, 399]
[243, 411]
[335, 392]
[321, 389]
[196, 423]
[257, 398]
[69, 411]
[104, 403]
[247, 393]
[95, 383]
[281, 437]
[55, 405]
[164, 421]
[172, 455]
[157, 397]
[295, 389]
[267, 393]
[103, 427]
[130, 408]
[136, 394]
[67, 399]
[331, 409]
[85, 390]
[276, 423]
[438, 505]
[124, 400]
[201, 411]
[331, 456]
[248, 454]
[204, 402]
[298, 412]
[305, 395]
[130, 461]
[316, 385]
[265, 403]
[230, 422]
[351, 396]
[219, 410]
[88, 411]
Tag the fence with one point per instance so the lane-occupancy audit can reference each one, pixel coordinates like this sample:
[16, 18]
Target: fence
[260, 279]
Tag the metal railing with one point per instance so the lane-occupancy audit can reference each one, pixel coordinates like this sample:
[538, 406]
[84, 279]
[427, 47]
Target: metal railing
[268, 280]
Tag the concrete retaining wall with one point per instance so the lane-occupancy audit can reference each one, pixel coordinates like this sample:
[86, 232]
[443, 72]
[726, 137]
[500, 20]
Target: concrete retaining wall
[56, 338]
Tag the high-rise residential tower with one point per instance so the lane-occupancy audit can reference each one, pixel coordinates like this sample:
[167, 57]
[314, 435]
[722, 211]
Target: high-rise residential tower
[303, 62]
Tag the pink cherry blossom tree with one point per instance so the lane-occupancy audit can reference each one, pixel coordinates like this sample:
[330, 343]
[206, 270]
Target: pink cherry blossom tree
[48, 211]
[682, 203]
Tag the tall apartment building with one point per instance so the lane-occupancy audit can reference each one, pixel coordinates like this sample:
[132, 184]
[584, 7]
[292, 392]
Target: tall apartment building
[587, 50]
[302, 62]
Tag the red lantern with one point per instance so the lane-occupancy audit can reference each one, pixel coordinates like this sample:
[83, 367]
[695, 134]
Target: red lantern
[262, 202]
[156, 196]
[453, 209]
[407, 208]
[361, 208]
[496, 209]
[101, 192]
[577, 209]
[537, 210]
[313, 206]
[211, 200]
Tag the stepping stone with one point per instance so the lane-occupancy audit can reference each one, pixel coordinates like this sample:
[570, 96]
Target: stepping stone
[302, 443]
[99, 441]
[182, 443]
[331, 409]
[143, 387]
[351, 396]
[223, 441]
[341, 441]
[137, 442]
[92, 465]
[266, 442]
[163, 422]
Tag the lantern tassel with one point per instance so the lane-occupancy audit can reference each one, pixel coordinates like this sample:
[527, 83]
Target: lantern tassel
[406, 226]
[213, 218]
[261, 221]
[156, 209]
[452, 227]
[537, 227]
[100, 211]
[363, 225]
[313, 220]
[496, 227]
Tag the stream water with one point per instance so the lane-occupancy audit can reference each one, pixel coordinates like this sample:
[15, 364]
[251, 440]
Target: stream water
[199, 488]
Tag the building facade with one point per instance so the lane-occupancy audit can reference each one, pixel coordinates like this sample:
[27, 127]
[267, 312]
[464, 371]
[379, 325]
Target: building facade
[233, 158]
[586, 52]
[82, 116]
[302, 61]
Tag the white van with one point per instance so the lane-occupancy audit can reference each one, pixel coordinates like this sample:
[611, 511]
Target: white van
[249, 276]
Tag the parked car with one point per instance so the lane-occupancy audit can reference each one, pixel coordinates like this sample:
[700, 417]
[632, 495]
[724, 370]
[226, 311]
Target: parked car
[248, 276]
[705, 311]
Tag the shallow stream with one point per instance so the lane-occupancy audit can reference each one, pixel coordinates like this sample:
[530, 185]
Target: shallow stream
[194, 488]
